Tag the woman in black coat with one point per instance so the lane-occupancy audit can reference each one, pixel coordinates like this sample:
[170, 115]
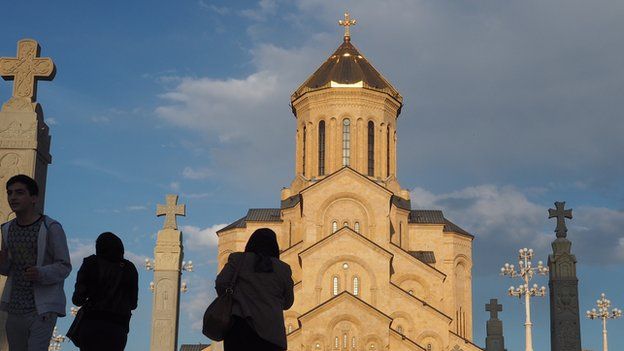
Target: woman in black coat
[263, 290]
[107, 288]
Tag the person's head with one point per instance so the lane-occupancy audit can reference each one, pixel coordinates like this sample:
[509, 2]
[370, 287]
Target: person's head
[263, 242]
[109, 247]
[22, 193]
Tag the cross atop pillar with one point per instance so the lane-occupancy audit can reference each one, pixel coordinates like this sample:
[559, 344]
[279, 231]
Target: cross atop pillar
[561, 215]
[171, 210]
[26, 69]
[493, 307]
[347, 23]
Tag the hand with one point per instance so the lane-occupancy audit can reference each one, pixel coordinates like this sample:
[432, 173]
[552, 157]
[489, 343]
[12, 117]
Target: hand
[31, 274]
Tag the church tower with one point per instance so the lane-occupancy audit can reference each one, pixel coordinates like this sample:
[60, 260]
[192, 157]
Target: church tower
[370, 272]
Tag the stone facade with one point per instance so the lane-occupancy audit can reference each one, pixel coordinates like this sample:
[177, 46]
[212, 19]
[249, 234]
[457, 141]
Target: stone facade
[24, 135]
[370, 273]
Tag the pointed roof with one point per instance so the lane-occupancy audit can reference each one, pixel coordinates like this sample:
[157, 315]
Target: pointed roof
[347, 68]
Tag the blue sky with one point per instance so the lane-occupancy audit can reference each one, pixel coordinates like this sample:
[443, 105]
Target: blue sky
[509, 106]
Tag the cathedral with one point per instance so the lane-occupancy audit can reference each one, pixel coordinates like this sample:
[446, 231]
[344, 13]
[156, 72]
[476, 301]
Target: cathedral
[370, 272]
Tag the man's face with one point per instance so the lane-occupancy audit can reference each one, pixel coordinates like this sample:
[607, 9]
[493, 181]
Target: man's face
[19, 198]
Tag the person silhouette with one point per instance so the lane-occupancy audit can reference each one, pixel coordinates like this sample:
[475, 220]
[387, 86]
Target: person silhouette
[107, 287]
[263, 290]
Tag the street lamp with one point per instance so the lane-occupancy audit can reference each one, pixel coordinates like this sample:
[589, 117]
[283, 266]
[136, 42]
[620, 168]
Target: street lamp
[55, 341]
[526, 273]
[604, 314]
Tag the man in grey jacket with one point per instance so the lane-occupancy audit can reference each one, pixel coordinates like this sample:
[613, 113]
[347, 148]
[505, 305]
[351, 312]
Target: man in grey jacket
[35, 258]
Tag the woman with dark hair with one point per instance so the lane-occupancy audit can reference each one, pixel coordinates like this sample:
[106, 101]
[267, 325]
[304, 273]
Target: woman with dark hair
[263, 290]
[107, 288]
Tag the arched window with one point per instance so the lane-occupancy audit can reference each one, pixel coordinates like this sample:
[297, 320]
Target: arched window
[429, 347]
[353, 344]
[371, 148]
[346, 142]
[335, 285]
[345, 341]
[356, 227]
[289, 328]
[388, 152]
[400, 329]
[304, 149]
[411, 292]
[345, 224]
[356, 286]
[334, 226]
[321, 148]
[336, 343]
[317, 346]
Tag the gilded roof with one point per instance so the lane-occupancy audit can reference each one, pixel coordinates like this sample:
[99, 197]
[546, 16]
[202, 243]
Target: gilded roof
[347, 67]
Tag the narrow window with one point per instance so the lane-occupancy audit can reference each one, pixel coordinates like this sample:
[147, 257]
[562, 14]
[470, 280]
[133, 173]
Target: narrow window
[345, 224]
[400, 329]
[336, 343]
[345, 339]
[289, 329]
[334, 226]
[371, 148]
[356, 227]
[321, 150]
[335, 286]
[429, 347]
[353, 344]
[388, 152]
[304, 150]
[346, 142]
[356, 286]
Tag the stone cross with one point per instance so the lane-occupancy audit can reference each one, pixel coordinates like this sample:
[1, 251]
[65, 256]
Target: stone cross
[493, 307]
[26, 69]
[347, 23]
[171, 210]
[561, 215]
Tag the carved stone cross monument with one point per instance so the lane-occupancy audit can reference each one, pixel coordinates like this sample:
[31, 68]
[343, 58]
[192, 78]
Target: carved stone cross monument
[25, 70]
[565, 327]
[561, 215]
[171, 210]
[168, 256]
[493, 307]
[24, 136]
[494, 341]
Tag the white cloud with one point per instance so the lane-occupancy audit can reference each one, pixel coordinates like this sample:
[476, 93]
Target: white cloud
[196, 174]
[198, 239]
[504, 219]
[201, 293]
[136, 208]
[80, 248]
[174, 186]
[51, 121]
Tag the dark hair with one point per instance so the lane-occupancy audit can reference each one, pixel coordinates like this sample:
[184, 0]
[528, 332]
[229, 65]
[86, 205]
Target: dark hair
[263, 243]
[31, 184]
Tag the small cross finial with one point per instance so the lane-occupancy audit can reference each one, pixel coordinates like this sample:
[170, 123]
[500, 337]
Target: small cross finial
[171, 210]
[561, 215]
[493, 307]
[25, 70]
[347, 23]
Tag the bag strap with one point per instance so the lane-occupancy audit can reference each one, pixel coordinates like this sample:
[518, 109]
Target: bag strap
[230, 289]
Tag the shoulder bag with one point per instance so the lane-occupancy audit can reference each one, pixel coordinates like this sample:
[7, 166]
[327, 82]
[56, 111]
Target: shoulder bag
[218, 316]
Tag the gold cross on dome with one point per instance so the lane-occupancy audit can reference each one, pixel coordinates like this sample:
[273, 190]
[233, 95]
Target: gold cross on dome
[26, 69]
[171, 210]
[347, 23]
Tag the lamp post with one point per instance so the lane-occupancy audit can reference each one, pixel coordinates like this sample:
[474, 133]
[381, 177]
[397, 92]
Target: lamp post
[55, 341]
[526, 273]
[603, 313]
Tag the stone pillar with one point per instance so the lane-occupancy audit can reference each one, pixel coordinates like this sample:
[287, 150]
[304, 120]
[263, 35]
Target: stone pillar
[565, 327]
[24, 136]
[168, 256]
[494, 341]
